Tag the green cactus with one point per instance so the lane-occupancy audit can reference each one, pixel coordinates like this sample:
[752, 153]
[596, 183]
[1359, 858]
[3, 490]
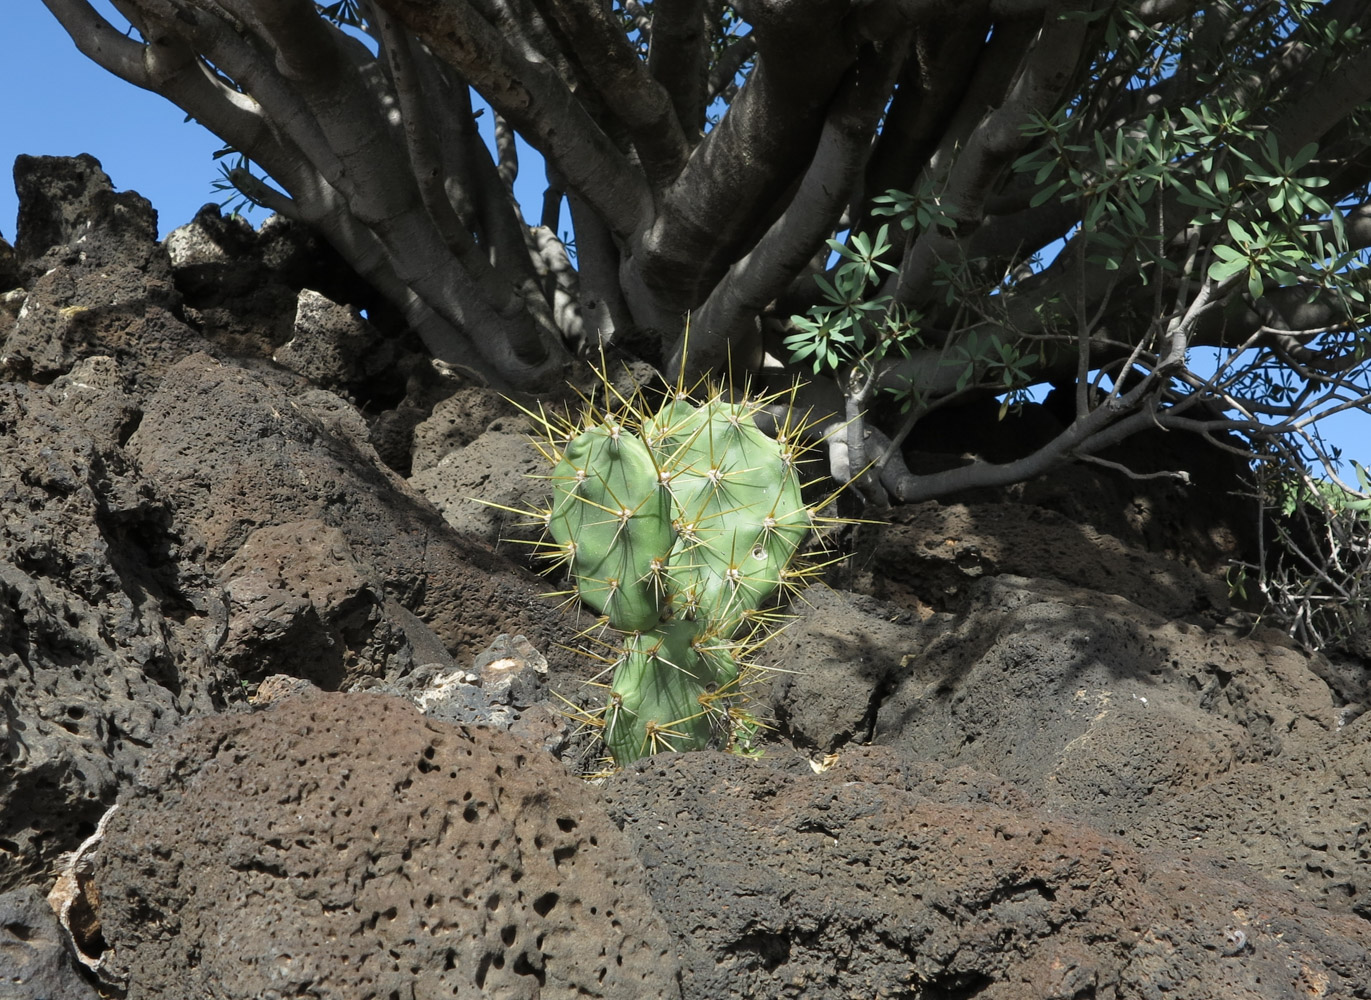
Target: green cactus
[677, 528]
[612, 515]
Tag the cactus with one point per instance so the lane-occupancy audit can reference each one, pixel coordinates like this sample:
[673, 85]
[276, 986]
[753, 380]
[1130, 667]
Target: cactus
[677, 528]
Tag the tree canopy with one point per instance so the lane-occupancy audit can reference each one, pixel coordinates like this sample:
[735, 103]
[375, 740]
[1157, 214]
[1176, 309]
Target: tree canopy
[1160, 207]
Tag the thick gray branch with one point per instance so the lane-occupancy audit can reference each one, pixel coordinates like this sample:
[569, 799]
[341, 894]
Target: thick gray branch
[625, 87]
[706, 220]
[678, 59]
[1048, 67]
[530, 95]
[729, 314]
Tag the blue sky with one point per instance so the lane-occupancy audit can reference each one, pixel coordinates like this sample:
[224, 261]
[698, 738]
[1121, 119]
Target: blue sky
[59, 103]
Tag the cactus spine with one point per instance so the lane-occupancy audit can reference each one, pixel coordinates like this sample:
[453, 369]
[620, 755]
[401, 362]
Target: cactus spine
[678, 528]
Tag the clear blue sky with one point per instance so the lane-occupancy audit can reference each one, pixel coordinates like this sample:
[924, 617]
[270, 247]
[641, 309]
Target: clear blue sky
[59, 103]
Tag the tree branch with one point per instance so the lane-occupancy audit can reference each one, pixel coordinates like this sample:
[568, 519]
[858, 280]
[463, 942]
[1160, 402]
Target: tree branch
[625, 86]
[532, 98]
[99, 41]
[732, 179]
[728, 315]
[1047, 68]
[678, 59]
[936, 80]
[726, 67]
[602, 302]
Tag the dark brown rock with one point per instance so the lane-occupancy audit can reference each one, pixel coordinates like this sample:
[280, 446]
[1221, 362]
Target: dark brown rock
[884, 877]
[34, 961]
[457, 421]
[1090, 785]
[64, 199]
[929, 553]
[236, 450]
[481, 487]
[1151, 730]
[342, 846]
[241, 286]
[99, 283]
[392, 428]
[332, 345]
[300, 602]
[104, 634]
[9, 267]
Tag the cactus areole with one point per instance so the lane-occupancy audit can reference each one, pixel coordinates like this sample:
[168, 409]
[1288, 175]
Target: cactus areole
[678, 528]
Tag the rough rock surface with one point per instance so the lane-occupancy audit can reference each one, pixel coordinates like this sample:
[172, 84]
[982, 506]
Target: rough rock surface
[332, 345]
[101, 645]
[928, 553]
[241, 286]
[35, 962]
[9, 267]
[342, 846]
[98, 282]
[1202, 519]
[1157, 731]
[64, 199]
[235, 449]
[501, 468]
[300, 601]
[883, 877]
[116, 618]
[455, 422]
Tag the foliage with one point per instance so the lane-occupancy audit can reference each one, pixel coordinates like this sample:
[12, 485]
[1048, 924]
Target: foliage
[1313, 571]
[1201, 203]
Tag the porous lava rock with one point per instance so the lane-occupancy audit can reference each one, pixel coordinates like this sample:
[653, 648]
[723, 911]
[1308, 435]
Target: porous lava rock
[235, 449]
[332, 345]
[9, 267]
[240, 286]
[481, 487]
[116, 619]
[455, 422]
[929, 552]
[98, 281]
[1152, 730]
[300, 602]
[105, 637]
[63, 199]
[1183, 496]
[343, 846]
[887, 877]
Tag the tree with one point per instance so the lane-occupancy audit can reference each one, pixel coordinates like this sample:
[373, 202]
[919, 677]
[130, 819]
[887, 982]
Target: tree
[931, 200]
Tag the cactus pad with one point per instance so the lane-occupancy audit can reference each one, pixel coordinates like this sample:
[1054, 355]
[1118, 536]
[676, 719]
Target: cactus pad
[678, 528]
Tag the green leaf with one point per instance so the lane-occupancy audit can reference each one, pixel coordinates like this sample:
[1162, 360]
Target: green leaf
[1272, 150]
[1045, 194]
[1223, 270]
